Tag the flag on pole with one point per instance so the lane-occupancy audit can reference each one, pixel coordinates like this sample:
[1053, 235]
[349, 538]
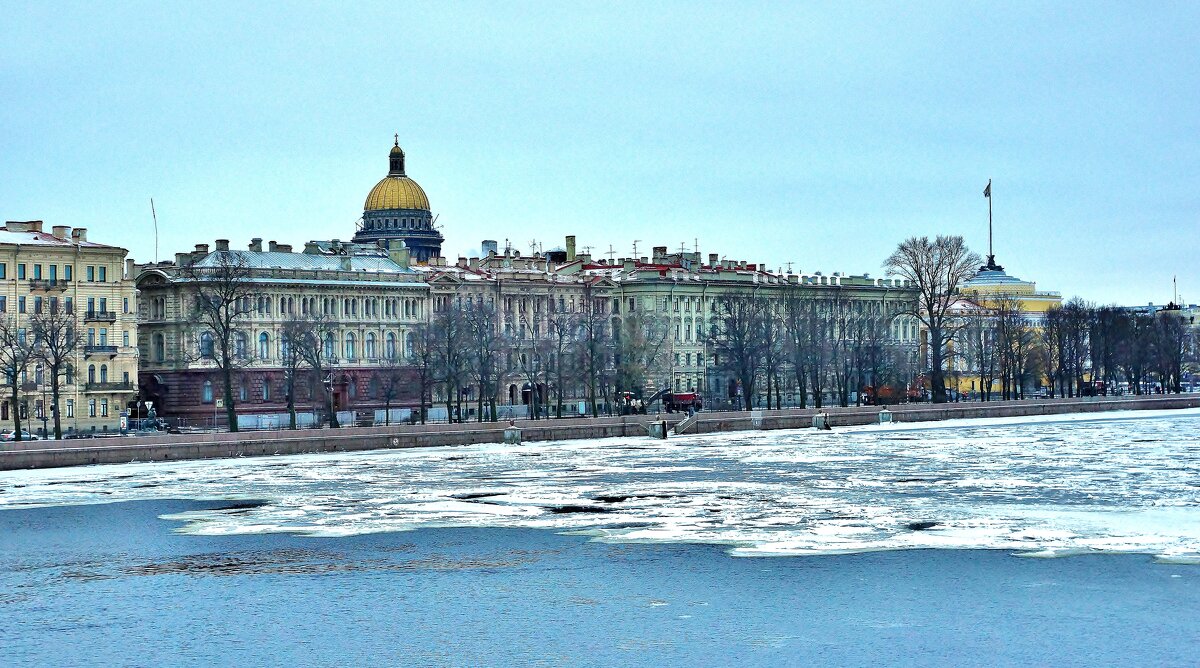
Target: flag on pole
[987, 192]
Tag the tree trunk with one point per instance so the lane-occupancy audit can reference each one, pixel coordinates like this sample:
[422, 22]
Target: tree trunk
[54, 394]
[16, 410]
[230, 411]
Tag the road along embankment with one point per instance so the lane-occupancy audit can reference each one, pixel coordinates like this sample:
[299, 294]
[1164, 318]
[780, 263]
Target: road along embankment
[159, 448]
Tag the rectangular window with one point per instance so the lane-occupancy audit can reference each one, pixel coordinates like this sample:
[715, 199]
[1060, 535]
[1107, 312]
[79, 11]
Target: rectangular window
[3, 270]
[54, 272]
[37, 272]
[37, 305]
[91, 336]
[67, 272]
[70, 408]
[54, 304]
[69, 305]
[125, 377]
[104, 336]
[104, 305]
[20, 272]
[125, 339]
[20, 304]
[91, 304]
[91, 408]
[125, 305]
[91, 276]
[103, 274]
[3, 304]
[104, 408]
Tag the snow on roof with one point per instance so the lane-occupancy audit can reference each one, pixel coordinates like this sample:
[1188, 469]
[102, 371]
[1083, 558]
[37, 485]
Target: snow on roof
[45, 239]
[310, 262]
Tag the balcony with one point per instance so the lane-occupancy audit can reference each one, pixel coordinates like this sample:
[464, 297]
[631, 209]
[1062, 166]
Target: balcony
[93, 350]
[47, 284]
[100, 316]
[108, 387]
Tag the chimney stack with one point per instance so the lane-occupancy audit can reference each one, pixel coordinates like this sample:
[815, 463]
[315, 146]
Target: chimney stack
[256, 245]
[222, 245]
[61, 231]
[201, 249]
[713, 258]
[272, 247]
[129, 269]
[398, 253]
[79, 234]
[570, 248]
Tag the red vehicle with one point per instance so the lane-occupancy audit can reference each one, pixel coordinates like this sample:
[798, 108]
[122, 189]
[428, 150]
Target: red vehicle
[681, 401]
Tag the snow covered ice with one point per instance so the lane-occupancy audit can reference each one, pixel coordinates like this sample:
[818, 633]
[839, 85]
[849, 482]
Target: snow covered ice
[1051, 486]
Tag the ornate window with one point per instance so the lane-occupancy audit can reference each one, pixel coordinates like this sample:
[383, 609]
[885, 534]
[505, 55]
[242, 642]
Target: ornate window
[264, 346]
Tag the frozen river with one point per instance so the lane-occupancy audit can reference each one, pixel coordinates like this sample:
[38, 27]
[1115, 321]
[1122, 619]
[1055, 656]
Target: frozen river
[618, 552]
[1118, 482]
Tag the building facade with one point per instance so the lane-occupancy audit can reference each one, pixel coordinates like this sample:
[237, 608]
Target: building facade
[62, 272]
[364, 298]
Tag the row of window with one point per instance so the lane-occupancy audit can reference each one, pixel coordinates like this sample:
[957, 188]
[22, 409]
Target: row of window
[96, 408]
[51, 303]
[93, 273]
[350, 346]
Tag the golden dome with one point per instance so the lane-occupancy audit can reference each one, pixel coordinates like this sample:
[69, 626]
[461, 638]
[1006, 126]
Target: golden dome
[396, 192]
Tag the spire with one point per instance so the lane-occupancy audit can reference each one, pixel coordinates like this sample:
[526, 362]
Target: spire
[396, 158]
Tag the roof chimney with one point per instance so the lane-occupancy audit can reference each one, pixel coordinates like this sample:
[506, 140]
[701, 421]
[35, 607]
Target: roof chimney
[312, 248]
[61, 231]
[283, 248]
[398, 253]
[272, 247]
[79, 234]
[713, 258]
[222, 245]
[570, 248]
[202, 249]
[256, 245]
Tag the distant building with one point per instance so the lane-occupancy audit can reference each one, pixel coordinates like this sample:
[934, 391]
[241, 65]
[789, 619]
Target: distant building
[397, 209]
[43, 272]
[370, 294]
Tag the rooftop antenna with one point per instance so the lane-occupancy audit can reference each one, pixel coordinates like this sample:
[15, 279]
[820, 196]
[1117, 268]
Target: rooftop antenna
[635, 243]
[682, 248]
[611, 254]
[588, 249]
[155, 217]
[695, 244]
[789, 266]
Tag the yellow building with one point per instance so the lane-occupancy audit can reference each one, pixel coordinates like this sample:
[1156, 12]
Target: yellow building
[43, 272]
[992, 282]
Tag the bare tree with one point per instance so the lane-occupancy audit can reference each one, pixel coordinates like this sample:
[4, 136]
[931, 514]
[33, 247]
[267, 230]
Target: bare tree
[450, 341]
[292, 340]
[644, 349]
[224, 294]
[315, 339]
[936, 269]
[56, 343]
[16, 352]
[390, 380]
[423, 355]
[484, 355]
[736, 336]
[563, 330]
[595, 346]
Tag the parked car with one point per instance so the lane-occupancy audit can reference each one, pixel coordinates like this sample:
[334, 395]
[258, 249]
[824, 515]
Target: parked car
[11, 435]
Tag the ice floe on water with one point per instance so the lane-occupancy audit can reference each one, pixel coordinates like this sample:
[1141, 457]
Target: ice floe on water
[1041, 487]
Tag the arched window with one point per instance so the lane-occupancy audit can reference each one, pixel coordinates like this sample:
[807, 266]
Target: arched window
[266, 389]
[350, 345]
[103, 373]
[369, 353]
[328, 347]
[206, 344]
[390, 346]
[160, 348]
[206, 392]
[241, 344]
[91, 373]
[264, 346]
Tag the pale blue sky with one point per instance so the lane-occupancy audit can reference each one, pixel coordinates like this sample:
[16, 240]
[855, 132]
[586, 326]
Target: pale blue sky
[820, 135]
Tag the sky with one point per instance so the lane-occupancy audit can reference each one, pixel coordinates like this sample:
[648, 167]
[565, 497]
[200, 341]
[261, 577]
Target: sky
[811, 135]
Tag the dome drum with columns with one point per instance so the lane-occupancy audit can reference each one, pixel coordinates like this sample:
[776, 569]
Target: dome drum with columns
[397, 208]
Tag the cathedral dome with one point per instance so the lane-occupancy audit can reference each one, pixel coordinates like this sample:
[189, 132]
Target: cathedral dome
[396, 190]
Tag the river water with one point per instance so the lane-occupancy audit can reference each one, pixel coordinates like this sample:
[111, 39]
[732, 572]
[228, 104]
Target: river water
[907, 544]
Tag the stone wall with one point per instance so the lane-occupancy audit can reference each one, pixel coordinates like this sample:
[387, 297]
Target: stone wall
[37, 454]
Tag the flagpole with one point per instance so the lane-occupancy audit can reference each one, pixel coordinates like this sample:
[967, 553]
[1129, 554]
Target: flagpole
[991, 254]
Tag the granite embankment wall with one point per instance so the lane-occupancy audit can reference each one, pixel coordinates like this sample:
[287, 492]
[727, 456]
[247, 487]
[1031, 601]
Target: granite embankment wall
[49, 454]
